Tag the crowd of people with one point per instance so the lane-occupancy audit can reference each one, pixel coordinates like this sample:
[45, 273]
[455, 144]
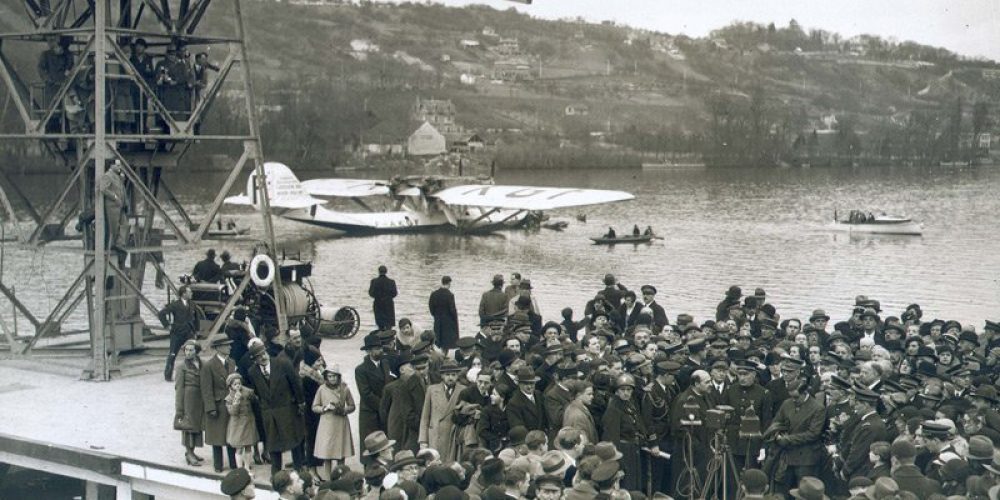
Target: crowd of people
[175, 78]
[620, 403]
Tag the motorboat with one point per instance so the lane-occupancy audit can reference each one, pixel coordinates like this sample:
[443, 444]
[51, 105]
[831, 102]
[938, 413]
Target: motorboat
[867, 223]
[604, 240]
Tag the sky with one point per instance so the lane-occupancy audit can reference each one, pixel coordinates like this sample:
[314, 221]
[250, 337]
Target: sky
[968, 27]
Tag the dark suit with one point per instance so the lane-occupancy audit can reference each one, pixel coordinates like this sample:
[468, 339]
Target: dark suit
[213, 395]
[371, 378]
[556, 401]
[627, 318]
[523, 411]
[801, 426]
[659, 317]
[869, 430]
[207, 271]
[281, 399]
[383, 290]
[183, 322]
[623, 426]
[442, 308]
[745, 451]
[414, 390]
[911, 479]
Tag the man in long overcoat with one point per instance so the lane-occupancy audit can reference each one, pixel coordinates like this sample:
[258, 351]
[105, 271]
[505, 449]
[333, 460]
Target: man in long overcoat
[394, 408]
[282, 406]
[382, 290]
[213, 394]
[436, 423]
[371, 376]
[183, 321]
[797, 436]
[527, 406]
[442, 308]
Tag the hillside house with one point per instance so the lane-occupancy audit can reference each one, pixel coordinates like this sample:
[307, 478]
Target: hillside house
[512, 70]
[387, 138]
[469, 44]
[426, 141]
[577, 110]
[507, 47]
[440, 113]
[490, 32]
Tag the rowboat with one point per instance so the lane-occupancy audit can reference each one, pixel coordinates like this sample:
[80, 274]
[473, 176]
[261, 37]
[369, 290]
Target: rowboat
[642, 238]
[879, 224]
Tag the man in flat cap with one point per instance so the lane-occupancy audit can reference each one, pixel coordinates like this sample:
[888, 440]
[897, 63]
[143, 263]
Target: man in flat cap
[493, 304]
[649, 301]
[869, 429]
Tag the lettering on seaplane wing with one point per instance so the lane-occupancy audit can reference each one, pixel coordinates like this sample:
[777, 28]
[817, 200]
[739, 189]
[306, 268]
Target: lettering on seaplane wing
[347, 188]
[527, 197]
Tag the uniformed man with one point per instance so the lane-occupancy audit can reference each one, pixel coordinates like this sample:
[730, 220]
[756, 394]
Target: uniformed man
[745, 395]
[623, 425]
[870, 429]
[688, 439]
[655, 413]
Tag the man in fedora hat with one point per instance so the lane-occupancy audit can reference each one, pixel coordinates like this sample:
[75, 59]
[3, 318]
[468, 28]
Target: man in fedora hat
[371, 376]
[213, 394]
[395, 409]
[493, 305]
[378, 449]
[527, 406]
[282, 406]
[436, 424]
[810, 488]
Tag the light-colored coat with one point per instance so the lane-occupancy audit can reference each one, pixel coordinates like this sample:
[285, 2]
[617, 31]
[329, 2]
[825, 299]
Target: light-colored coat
[435, 419]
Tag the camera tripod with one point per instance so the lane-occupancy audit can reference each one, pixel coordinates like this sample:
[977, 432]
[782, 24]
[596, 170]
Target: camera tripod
[720, 469]
[687, 483]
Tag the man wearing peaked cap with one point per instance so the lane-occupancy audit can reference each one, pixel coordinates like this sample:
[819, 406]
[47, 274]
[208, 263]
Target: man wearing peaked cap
[746, 394]
[869, 429]
[659, 314]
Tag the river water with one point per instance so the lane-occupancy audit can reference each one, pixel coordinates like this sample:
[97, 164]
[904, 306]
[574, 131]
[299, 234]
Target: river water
[751, 227]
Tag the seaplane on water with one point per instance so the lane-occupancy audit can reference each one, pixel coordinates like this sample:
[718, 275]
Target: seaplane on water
[417, 203]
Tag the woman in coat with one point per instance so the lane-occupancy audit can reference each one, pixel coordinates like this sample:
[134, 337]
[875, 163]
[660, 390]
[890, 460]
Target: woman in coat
[242, 431]
[577, 414]
[333, 403]
[188, 406]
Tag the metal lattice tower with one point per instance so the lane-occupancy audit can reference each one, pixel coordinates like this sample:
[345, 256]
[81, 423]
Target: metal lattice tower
[145, 130]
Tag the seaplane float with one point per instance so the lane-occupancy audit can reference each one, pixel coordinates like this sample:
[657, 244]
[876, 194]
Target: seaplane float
[862, 222]
[416, 203]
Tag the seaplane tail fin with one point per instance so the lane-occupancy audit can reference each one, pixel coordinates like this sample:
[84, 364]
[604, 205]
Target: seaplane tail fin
[527, 197]
[283, 187]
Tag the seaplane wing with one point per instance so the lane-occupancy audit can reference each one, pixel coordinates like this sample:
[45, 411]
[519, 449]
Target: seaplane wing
[527, 197]
[346, 188]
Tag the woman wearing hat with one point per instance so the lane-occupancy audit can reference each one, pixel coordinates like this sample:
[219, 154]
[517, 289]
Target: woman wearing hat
[333, 402]
[241, 433]
[188, 405]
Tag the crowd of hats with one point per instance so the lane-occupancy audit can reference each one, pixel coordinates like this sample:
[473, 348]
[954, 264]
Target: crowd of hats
[934, 382]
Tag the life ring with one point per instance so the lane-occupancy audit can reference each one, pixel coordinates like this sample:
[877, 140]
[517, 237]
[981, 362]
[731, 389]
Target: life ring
[255, 263]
